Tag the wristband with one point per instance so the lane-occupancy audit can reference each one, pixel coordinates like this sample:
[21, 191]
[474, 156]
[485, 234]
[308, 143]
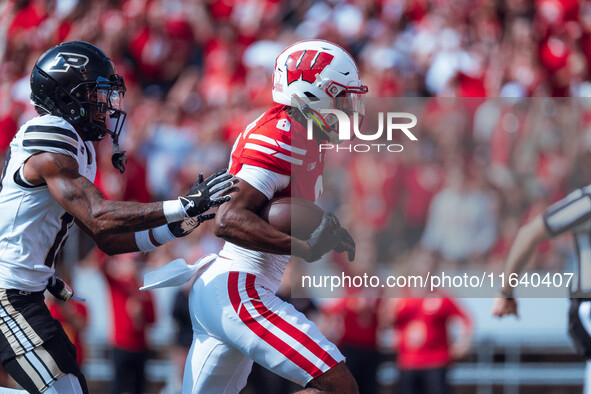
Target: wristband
[162, 234]
[142, 240]
[173, 211]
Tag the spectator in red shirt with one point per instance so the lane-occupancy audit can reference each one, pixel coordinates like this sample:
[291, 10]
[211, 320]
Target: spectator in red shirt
[424, 348]
[132, 312]
[357, 319]
[24, 27]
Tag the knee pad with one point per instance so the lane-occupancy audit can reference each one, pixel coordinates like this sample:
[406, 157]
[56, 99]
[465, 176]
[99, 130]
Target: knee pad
[67, 384]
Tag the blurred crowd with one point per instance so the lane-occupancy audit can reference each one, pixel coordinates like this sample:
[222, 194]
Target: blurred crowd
[481, 167]
[198, 72]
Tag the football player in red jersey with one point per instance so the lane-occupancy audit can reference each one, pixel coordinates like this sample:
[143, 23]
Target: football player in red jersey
[235, 314]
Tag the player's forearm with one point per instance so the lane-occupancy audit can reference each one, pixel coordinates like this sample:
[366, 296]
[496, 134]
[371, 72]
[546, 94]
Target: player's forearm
[112, 244]
[102, 217]
[520, 253]
[117, 243]
[244, 228]
[116, 217]
[528, 237]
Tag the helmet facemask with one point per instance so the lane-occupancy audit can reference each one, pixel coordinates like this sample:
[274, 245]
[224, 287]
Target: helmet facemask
[105, 105]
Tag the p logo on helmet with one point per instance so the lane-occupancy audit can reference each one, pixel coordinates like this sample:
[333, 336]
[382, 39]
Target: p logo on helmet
[65, 60]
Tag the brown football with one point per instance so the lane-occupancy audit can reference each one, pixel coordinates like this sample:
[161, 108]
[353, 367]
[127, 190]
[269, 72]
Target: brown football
[293, 215]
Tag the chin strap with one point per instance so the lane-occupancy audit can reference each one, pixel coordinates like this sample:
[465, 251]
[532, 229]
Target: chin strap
[313, 115]
[118, 159]
[321, 127]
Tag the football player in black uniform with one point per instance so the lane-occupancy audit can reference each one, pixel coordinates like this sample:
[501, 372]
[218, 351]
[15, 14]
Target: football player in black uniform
[47, 184]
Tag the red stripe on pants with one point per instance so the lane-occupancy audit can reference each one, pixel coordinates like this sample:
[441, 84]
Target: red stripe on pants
[286, 327]
[263, 333]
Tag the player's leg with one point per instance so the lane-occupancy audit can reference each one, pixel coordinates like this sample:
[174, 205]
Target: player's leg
[579, 327]
[338, 379]
[274, 334]
[49, 368]
[67, 384]
[212, 365]
[34, 348]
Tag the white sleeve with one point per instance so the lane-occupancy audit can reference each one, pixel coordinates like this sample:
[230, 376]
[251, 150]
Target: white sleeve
[568, 213]
[54, 137]
[265, 181]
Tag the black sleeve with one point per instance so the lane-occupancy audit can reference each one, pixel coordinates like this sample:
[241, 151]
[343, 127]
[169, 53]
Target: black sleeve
[568, 213]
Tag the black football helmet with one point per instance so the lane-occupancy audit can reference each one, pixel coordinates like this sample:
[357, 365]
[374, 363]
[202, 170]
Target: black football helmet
[75, 80]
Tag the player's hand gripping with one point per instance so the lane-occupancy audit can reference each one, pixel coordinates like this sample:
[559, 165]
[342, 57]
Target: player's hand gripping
[201, 197]
[329, 235]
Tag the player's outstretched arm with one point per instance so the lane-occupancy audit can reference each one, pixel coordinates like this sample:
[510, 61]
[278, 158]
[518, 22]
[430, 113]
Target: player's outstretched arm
[102, 218]
[528, 237]
[145, 240]
[83, 200]
[238, 222]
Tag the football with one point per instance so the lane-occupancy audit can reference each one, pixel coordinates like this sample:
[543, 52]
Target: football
[292, 215]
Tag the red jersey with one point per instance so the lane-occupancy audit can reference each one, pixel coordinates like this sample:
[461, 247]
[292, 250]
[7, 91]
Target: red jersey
[359, 319]
[423, 333]
[276, 143]
[132, 311]
[76, 310]
[275, 147]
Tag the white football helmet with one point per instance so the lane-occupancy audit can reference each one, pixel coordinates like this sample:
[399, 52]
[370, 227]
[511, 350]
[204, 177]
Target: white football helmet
[316, 74]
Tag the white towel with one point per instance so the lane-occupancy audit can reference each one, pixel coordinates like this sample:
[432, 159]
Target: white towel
[175, 273]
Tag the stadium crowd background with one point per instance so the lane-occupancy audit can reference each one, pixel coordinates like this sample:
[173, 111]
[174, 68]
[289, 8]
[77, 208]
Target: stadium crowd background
[198, 72]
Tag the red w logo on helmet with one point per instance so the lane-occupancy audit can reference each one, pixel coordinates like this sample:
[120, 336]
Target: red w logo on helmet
[305, 64]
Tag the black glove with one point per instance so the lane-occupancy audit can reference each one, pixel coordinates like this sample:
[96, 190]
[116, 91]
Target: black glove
[186, 227]
[200, 197]
[59, 289]
[346, 244]
[325, 238]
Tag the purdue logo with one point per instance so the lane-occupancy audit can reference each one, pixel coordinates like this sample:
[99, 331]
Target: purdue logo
[65, 60]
